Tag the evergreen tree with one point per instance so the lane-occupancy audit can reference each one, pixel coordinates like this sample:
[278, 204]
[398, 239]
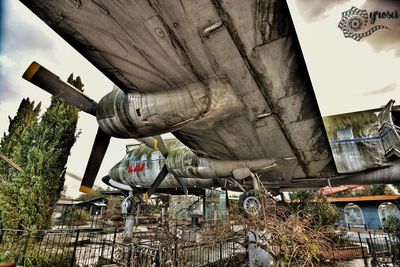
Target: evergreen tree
[28, 202]
[77, 83]
[18, 128]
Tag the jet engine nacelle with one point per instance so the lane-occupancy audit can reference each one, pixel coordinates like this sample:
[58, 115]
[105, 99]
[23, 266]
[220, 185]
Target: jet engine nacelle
[136, 114]
[182, 162]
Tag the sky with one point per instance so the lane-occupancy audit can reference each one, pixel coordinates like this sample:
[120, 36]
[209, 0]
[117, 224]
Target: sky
[25, 38]
[347, 75]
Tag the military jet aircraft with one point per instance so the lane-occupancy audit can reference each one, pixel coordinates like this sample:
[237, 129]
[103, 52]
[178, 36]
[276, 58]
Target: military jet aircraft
[226, 78]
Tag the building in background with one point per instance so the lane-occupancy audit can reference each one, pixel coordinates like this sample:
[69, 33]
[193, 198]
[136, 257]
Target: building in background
[367, 211]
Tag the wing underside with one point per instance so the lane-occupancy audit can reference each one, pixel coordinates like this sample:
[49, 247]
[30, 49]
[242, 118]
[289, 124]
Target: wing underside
[160, 45]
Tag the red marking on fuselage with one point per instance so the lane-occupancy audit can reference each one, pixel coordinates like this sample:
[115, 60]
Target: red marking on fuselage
[130, 169]
[139, 167]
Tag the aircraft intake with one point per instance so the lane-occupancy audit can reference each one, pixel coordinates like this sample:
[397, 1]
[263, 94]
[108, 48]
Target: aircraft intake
[135, 115]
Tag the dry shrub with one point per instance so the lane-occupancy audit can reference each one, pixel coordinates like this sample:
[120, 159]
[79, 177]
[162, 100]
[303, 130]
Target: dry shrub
[290, 235]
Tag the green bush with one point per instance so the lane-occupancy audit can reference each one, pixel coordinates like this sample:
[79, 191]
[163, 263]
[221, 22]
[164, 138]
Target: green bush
[391, 225]
[33, 258]
[6, 257]
[314, 207]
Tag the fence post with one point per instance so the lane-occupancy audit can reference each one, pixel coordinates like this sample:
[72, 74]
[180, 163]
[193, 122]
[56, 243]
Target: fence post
[365, 258]
[373, 252]
[113, 244]
[103, 243]
[370, 236]
[393, 248]
[75, 246]
[176, 253]
[129, 255]
[387, 244]
[220, 250]
[372, 245]
[157, 259]
[28, 238]
[362, 251]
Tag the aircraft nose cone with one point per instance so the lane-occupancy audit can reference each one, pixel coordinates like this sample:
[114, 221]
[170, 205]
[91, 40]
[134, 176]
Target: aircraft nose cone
[114, 173]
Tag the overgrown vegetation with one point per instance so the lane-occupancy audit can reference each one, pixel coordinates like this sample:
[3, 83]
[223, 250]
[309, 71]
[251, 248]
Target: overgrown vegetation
[315, 208]
[298, 234]
[41, 149]
[6, 257]
[391, 225]
[61, 258]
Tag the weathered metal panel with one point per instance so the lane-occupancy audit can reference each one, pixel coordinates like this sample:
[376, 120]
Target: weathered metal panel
[230, 64]
[159, 45]
[355, 141]
[187, 19]
[268, 44]
[272, 139]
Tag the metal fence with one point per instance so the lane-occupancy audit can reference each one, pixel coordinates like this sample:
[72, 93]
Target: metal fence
[94, 248]
[57, 247]
[376, 249]
[360, 227]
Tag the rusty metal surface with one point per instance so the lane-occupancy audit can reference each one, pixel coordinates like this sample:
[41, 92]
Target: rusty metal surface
[356, 141]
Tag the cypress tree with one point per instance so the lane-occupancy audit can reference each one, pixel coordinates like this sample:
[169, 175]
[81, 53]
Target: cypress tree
[30, 199]
[18, 128]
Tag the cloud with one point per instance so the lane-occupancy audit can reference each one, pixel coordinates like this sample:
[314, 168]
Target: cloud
[385, 40]
[383, 90]
[6, 89]
[313, 10]
[20, 40]
[382, 40]
[19, 37]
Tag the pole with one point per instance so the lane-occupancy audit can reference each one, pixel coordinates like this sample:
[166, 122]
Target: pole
[158, 258]
[176, 252]
[220, 251]
[362, 250]
[113, 244]
[75, 246]
[129, 255]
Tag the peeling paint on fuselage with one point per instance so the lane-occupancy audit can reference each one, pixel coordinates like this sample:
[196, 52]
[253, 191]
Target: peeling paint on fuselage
[140, 167]
[355, 141]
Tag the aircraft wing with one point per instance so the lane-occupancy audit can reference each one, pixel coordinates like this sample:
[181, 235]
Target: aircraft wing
[160, 45]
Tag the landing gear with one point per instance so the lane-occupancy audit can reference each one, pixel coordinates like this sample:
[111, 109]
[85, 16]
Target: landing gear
[249, 204]
[130, 207]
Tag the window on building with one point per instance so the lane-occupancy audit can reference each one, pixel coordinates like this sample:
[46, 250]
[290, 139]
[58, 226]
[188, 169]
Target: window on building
[354, 215]
[388, 209]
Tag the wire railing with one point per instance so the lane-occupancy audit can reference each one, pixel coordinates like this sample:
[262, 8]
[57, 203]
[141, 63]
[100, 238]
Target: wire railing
[158, 247]
[93, 248]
